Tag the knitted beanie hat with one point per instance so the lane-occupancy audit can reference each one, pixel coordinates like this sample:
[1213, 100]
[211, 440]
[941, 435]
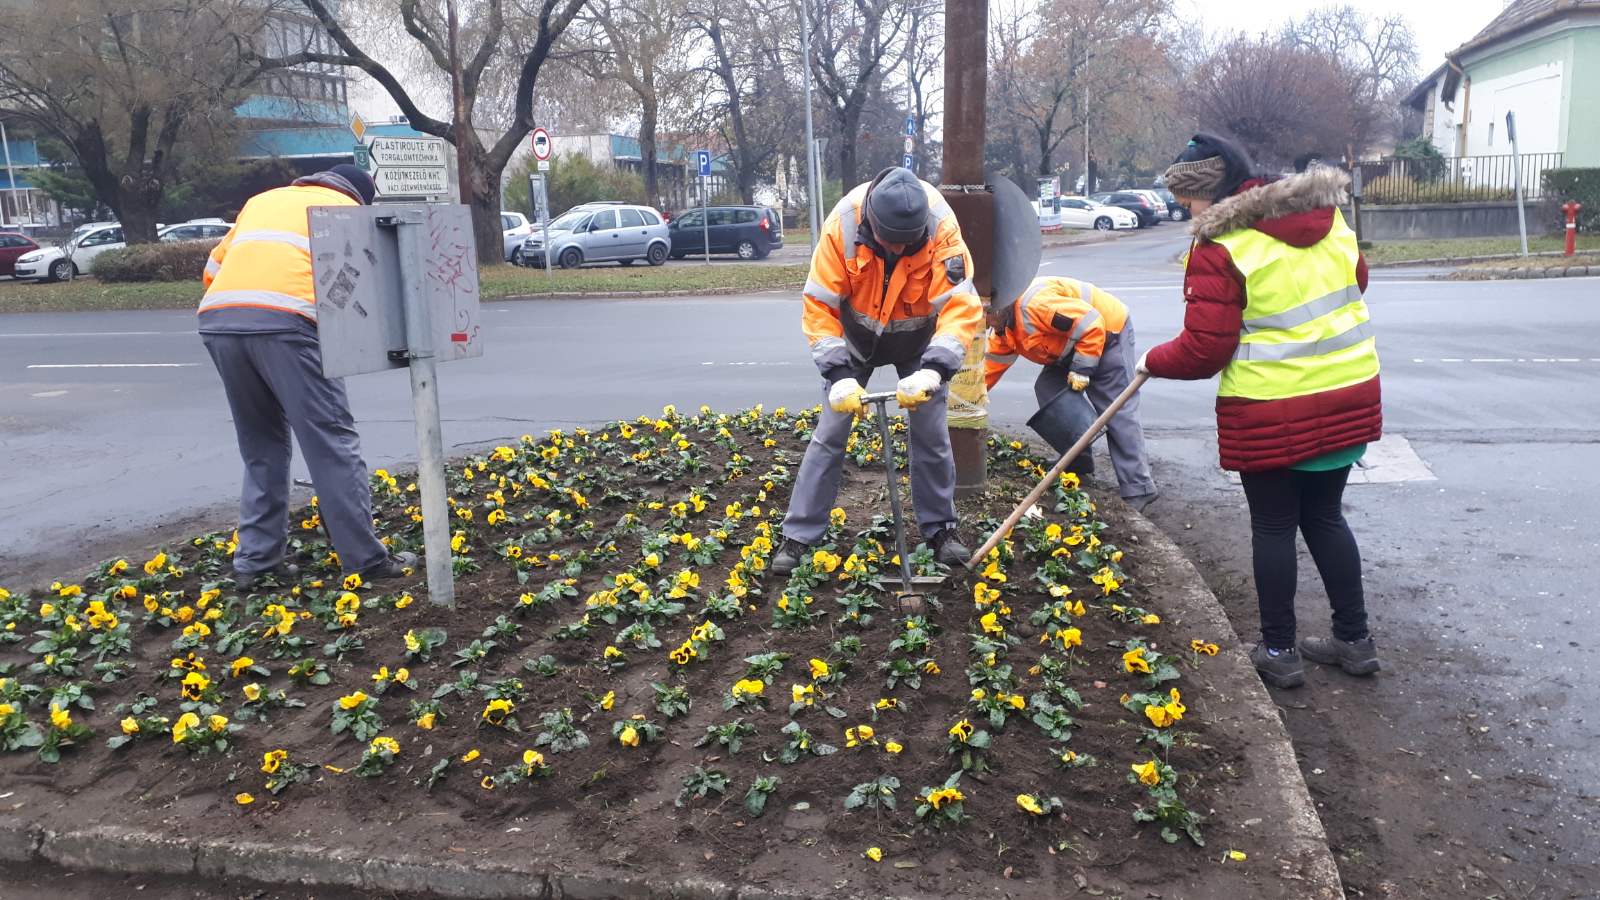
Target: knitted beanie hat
[1210, 167]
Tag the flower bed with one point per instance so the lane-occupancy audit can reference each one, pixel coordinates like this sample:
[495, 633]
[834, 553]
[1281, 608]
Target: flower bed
[623, 675]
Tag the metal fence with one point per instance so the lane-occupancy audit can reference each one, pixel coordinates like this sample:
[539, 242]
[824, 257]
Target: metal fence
[1454, 179]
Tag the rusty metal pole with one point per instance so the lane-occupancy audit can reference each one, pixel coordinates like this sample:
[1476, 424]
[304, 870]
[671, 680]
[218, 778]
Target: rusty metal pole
[966, 77]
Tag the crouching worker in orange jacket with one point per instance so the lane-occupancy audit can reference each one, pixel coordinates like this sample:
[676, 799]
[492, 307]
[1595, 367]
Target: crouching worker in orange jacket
[890, 285]
[1083, 338]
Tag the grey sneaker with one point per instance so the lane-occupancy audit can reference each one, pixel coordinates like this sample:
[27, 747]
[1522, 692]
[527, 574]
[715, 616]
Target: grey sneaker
[1281, 670]
[393, 567]
[247, 581]
[1354, 657]
[1143, 501]
[787, 557]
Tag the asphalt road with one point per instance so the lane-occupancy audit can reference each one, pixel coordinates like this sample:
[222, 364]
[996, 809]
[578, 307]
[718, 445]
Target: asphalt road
[1475, 752]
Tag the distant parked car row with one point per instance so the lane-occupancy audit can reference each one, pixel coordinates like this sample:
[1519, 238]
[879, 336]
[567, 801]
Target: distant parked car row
[28, 260]
[624, 233]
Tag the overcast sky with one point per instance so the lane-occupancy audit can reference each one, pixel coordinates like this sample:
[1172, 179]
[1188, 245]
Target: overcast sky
[1440, 25]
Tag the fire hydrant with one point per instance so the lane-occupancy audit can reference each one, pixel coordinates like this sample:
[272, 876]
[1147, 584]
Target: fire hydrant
[1571, 208]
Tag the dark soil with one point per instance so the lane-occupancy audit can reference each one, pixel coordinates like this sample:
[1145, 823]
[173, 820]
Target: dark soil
[611, 808]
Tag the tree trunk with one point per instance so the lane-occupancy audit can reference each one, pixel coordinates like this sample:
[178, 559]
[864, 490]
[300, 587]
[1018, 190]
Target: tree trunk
[647, 147]
[483, 198]
[849, 130]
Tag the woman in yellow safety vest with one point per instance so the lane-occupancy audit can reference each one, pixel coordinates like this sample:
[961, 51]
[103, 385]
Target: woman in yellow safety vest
[1273, 288]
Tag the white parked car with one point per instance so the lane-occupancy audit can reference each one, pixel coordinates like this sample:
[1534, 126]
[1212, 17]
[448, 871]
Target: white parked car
[72, 259]
[515, 228]
[77, 256]
[1078, 212]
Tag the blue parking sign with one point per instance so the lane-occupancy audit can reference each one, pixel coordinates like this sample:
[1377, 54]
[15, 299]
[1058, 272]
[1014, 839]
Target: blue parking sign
[907, 160]
[703, 158]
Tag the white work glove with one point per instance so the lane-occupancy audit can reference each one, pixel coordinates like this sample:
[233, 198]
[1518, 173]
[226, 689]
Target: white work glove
[845, 396]
[915, 389]
[1139, 367]
[1077, 382]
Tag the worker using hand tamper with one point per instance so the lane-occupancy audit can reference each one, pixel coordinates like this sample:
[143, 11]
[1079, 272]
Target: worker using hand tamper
[1083, 338]
[890, 285]
[258, 321]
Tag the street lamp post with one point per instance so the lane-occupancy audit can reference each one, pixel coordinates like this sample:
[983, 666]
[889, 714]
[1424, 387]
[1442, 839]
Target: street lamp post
[812, 196]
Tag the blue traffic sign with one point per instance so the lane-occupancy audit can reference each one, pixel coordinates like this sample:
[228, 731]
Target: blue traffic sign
[911, 126]
[907, 160]
[703, 158]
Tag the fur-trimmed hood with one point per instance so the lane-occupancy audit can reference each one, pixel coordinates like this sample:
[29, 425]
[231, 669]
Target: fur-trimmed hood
[1297, 209]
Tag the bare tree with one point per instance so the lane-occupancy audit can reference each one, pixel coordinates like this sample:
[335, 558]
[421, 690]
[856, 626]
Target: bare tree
[637, 42]
[124, 85]
[1282, 101]
[1378, 56]
[447, 42]
[853, 44]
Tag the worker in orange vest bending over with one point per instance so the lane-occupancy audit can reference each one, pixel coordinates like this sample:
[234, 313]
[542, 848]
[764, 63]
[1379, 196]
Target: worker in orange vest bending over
[1083, 338]
[259, 323]
[890, 285]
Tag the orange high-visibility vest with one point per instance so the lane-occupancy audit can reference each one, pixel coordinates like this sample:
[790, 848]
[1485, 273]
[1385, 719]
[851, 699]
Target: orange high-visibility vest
[265, 261]
[1056, 321]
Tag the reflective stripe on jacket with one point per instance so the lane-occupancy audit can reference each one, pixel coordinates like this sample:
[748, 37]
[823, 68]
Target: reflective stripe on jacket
[1056, 321]
[265, 261]
[854, 318]
[1306, 327]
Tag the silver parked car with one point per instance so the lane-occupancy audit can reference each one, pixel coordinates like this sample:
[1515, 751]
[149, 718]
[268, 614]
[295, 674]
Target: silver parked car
[619, 233]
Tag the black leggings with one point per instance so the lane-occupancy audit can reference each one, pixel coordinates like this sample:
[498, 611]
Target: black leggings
[1281, 501]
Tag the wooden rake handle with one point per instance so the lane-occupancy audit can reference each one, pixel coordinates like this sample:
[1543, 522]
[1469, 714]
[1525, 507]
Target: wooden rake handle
[1066, 459]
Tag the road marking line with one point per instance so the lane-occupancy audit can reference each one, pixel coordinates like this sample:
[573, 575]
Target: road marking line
[113, 365]
[1499, 360]
[40, 334]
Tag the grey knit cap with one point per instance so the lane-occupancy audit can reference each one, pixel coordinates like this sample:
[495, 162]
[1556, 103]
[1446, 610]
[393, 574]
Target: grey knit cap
[897, 207]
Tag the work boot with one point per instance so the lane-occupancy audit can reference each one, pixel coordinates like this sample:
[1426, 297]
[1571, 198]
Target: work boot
[1143, 501]
[247, 581]
[1278, 668]
[948, 549]
[788, 556]
[1354, 657]
[393, 567]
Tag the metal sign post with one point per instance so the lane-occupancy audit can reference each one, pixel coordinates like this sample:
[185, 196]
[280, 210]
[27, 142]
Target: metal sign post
[397, 286]
[703, 157]
[1516, 165]
[540, 200]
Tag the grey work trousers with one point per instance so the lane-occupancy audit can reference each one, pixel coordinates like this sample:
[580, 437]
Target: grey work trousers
[933, 468]
[274, 384]
[1124, 434]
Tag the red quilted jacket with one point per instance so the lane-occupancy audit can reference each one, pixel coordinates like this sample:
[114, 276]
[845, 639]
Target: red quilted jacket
[1260, 435]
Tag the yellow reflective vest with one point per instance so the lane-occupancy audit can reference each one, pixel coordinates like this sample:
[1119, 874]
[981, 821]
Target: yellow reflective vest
[1306, 327]
[265, 261]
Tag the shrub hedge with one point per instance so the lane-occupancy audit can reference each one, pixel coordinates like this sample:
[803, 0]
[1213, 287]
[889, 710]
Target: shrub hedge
[1582, 185]
[180, 261]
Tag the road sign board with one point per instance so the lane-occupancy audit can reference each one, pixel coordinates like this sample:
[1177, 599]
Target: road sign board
[358, 126]
[362, 157]
[703, 160]
[911, 126]
[409, 167]
[911, 144]
[541, 144]
[544, 165]
[408, 152]
[908, 160]
[356, 269]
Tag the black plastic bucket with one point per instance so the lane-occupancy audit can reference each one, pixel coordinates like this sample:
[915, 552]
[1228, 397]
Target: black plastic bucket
[1061, 422]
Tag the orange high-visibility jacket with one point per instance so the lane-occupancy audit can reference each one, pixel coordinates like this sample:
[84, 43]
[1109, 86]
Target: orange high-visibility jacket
[1056, 322]
[926, 310]
[265, 261]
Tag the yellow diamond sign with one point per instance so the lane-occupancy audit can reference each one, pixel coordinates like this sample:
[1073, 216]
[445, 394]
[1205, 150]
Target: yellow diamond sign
[358, 127]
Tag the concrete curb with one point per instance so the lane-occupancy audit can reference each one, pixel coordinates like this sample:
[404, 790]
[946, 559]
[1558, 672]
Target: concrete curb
[647, 295]
[1310, 864]
[1520, 272]
[130, 851]
[1458, 260]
